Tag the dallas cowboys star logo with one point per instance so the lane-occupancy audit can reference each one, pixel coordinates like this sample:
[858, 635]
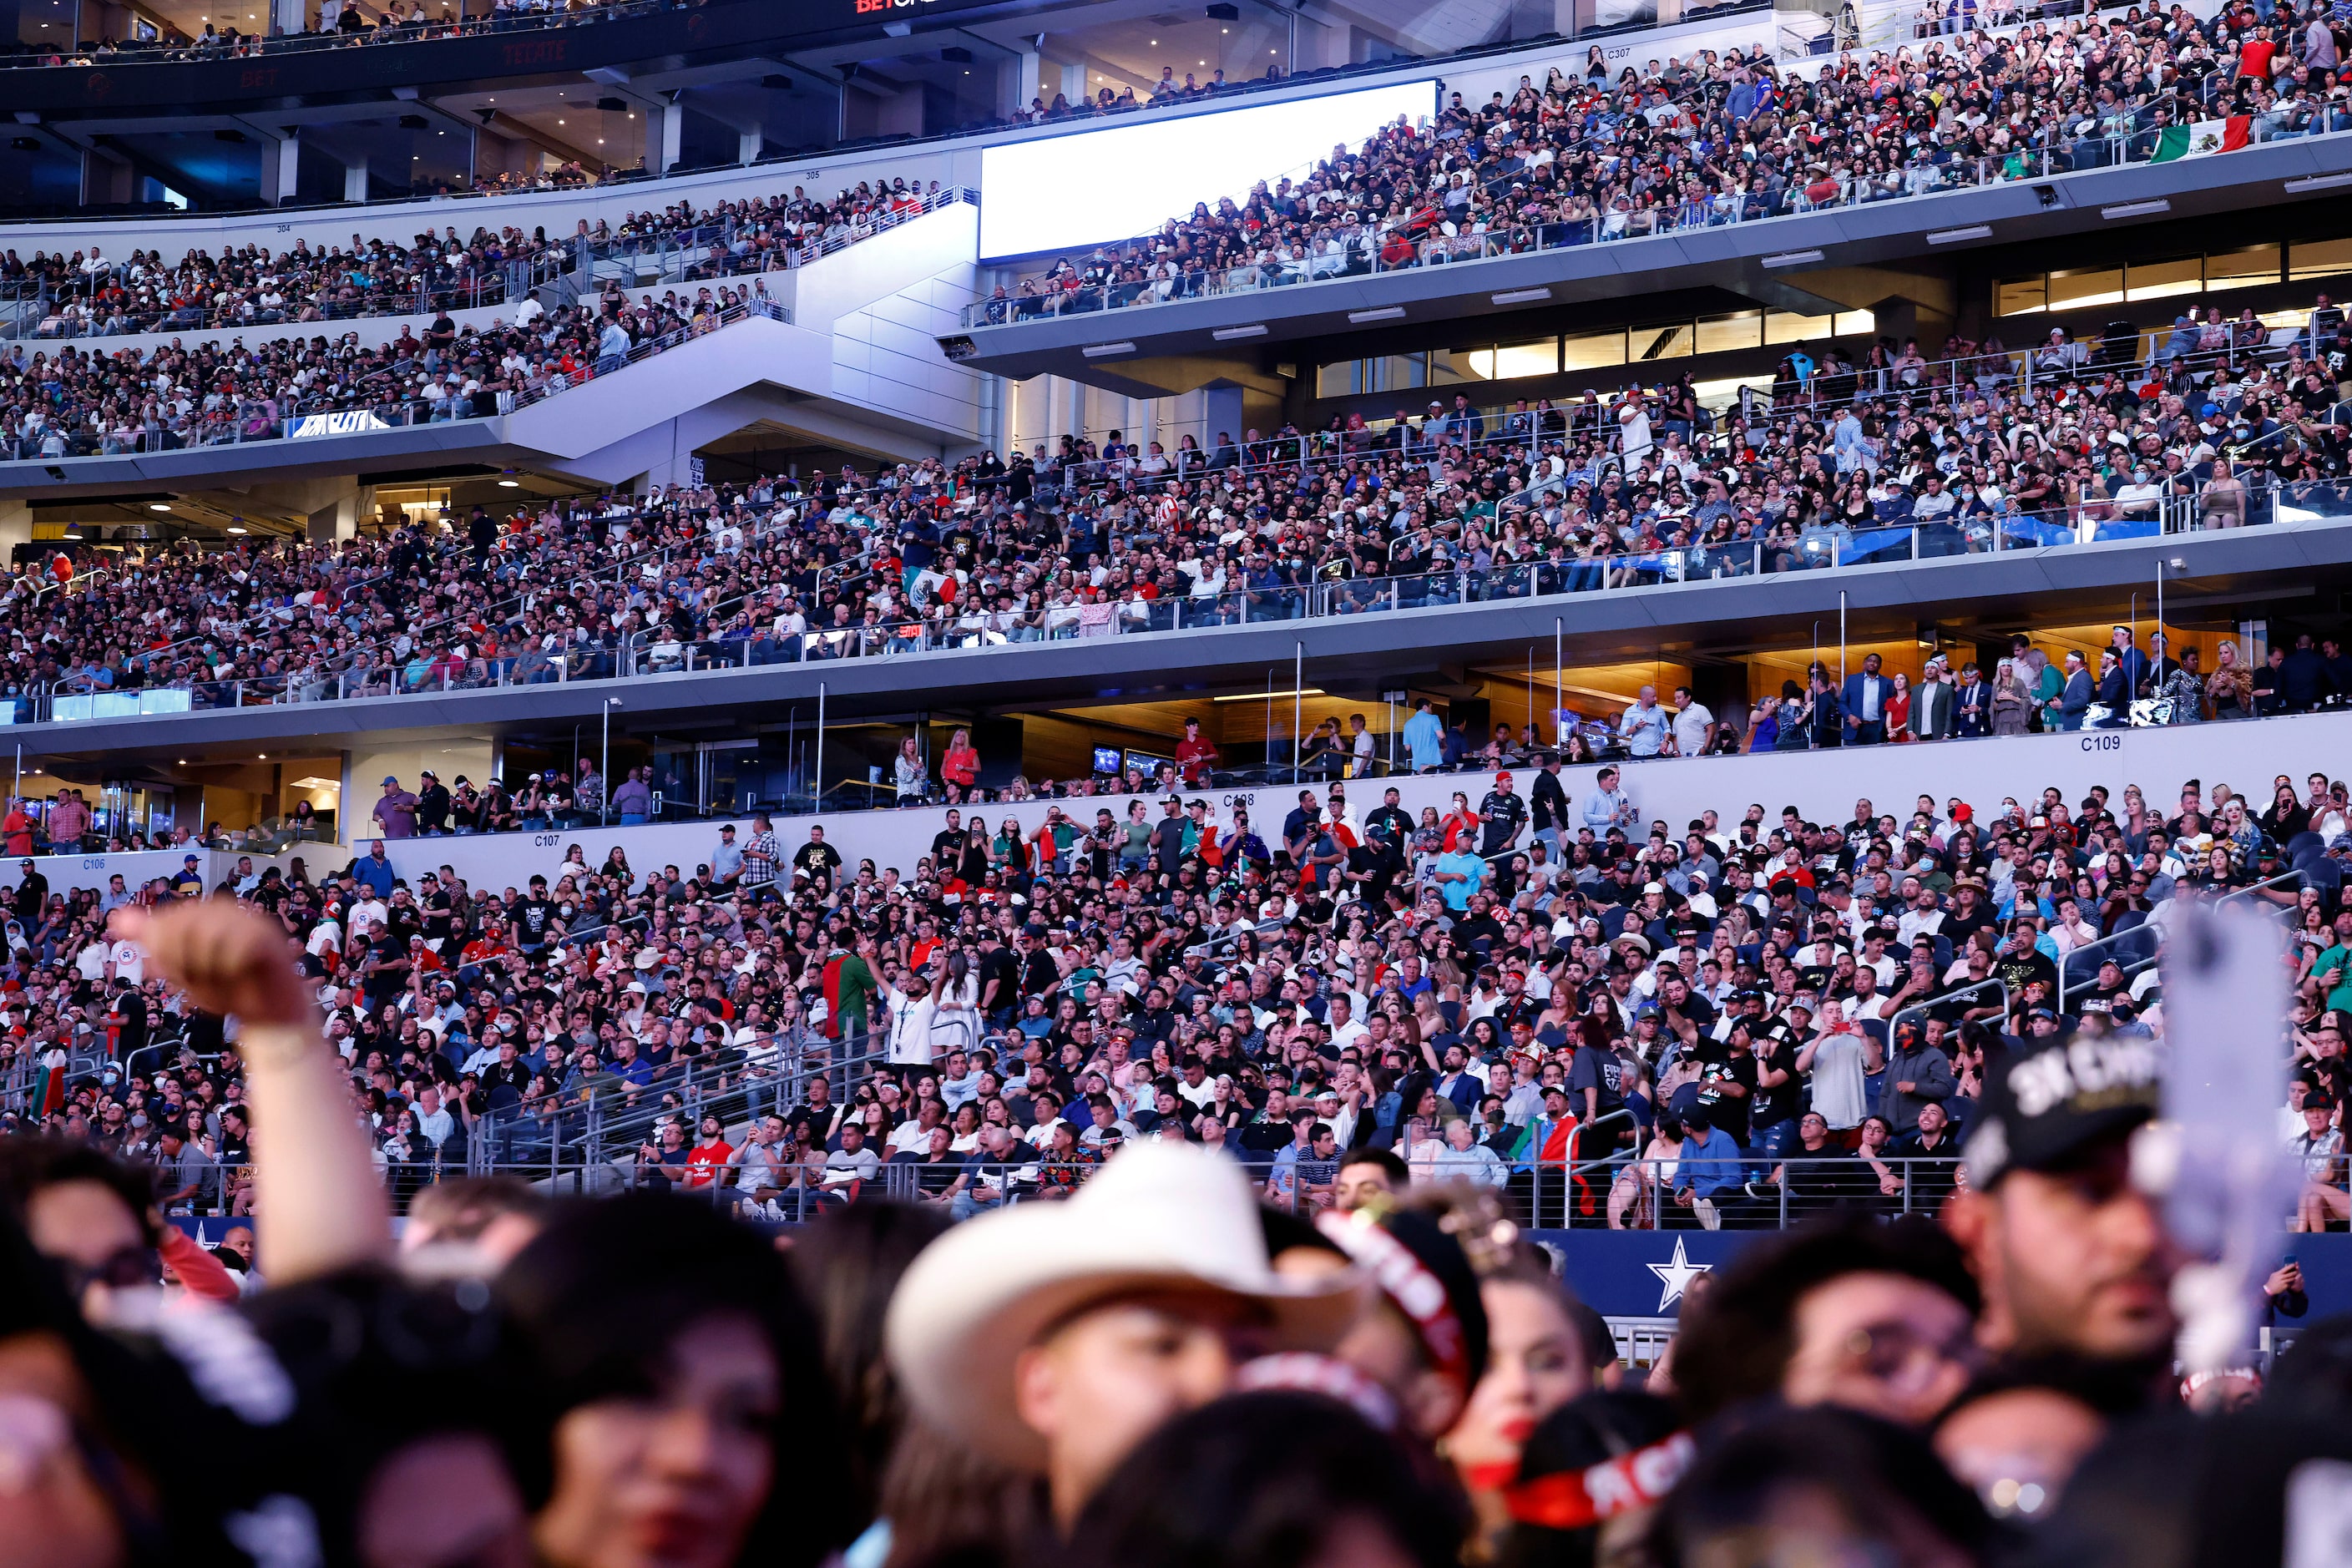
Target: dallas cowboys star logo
[1675, 1275]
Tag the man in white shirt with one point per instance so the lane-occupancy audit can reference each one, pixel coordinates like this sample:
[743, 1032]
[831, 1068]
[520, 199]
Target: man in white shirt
[1924, 918]
[1836, 1057]
[1867, 1003]
[914, 1137]
[1693, 724]
[1346, 1028]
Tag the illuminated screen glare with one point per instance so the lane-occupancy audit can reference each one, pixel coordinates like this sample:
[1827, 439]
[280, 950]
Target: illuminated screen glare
[1060, 193]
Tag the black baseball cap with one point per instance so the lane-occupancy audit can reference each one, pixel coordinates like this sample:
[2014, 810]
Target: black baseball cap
[2043, 1110]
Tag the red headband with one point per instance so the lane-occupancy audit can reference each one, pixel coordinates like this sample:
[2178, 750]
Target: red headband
[1409, 1287]
[1578, 1500]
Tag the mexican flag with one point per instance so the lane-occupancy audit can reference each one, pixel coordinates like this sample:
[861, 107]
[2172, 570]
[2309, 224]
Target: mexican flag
[2204, 137]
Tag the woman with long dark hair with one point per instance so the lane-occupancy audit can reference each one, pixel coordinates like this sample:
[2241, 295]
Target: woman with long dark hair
[678, 1373]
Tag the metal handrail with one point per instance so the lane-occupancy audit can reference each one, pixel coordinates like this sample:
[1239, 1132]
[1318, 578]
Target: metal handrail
[1780, 1214]
[1921, 1009]
[1570, 1167]
[2154, 938]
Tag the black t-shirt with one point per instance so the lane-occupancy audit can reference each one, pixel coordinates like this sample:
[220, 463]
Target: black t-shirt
[815, 858]
[392, 952]
[1779, 1102]
[1599, 1070]
[1550, 802]
[1040, 973]
[1000, 967]
[532, 916]
[1265, 1138]
[1503, 815]
[1729, 1111]
[1478, 932]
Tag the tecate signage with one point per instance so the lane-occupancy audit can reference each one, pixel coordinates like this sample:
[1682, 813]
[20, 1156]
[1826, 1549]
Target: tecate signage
[352, 422]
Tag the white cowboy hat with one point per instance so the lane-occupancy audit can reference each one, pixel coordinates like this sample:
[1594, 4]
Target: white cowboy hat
[1160, 1214]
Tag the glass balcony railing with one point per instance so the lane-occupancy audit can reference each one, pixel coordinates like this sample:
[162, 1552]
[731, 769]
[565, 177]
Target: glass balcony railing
[744, 642]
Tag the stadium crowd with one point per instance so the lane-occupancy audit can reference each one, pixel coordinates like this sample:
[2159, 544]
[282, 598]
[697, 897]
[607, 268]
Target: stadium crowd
[81, 402]
[1084, 537]
[1733, 137]
[1210, 1250]
[1463, 990]
[88, 294]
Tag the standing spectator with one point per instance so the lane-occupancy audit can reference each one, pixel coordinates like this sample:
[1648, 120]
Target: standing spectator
[2303, 678]
[2013, 700]
[1608, 806]
[1934, 712]
[913, 783]
[69, 821]
[1693, 724]
[588, 793]
[1645, 725]
[725, 859]
[1549, 800]
[633, 803]
[1863, 703]
[395, 811]
[1917, 1073]
[2114, 692]
[432, 805]
[1195, 754]
[1504, 816]
[2065, 711]
[1425, 737]
[1838, 1059]
[1826, 712]
[960, 765]
[762, 855]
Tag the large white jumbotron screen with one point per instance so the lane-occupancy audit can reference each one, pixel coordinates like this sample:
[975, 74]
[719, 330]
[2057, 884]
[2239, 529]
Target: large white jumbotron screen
[1062, 192]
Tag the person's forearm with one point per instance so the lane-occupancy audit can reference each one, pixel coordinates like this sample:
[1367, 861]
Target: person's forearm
[314, 1178]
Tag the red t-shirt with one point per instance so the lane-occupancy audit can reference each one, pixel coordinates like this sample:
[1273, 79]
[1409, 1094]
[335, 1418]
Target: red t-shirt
[706, 1160]
[1193, 759]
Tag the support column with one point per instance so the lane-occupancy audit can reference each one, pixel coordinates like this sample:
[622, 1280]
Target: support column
[355, 180]
[1221, 413]
[15, 529]
[104, 177]
[1074, 81]
[338, 519]
[1025, 82]
[664, 124]
[281, 161]
[747, 144]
